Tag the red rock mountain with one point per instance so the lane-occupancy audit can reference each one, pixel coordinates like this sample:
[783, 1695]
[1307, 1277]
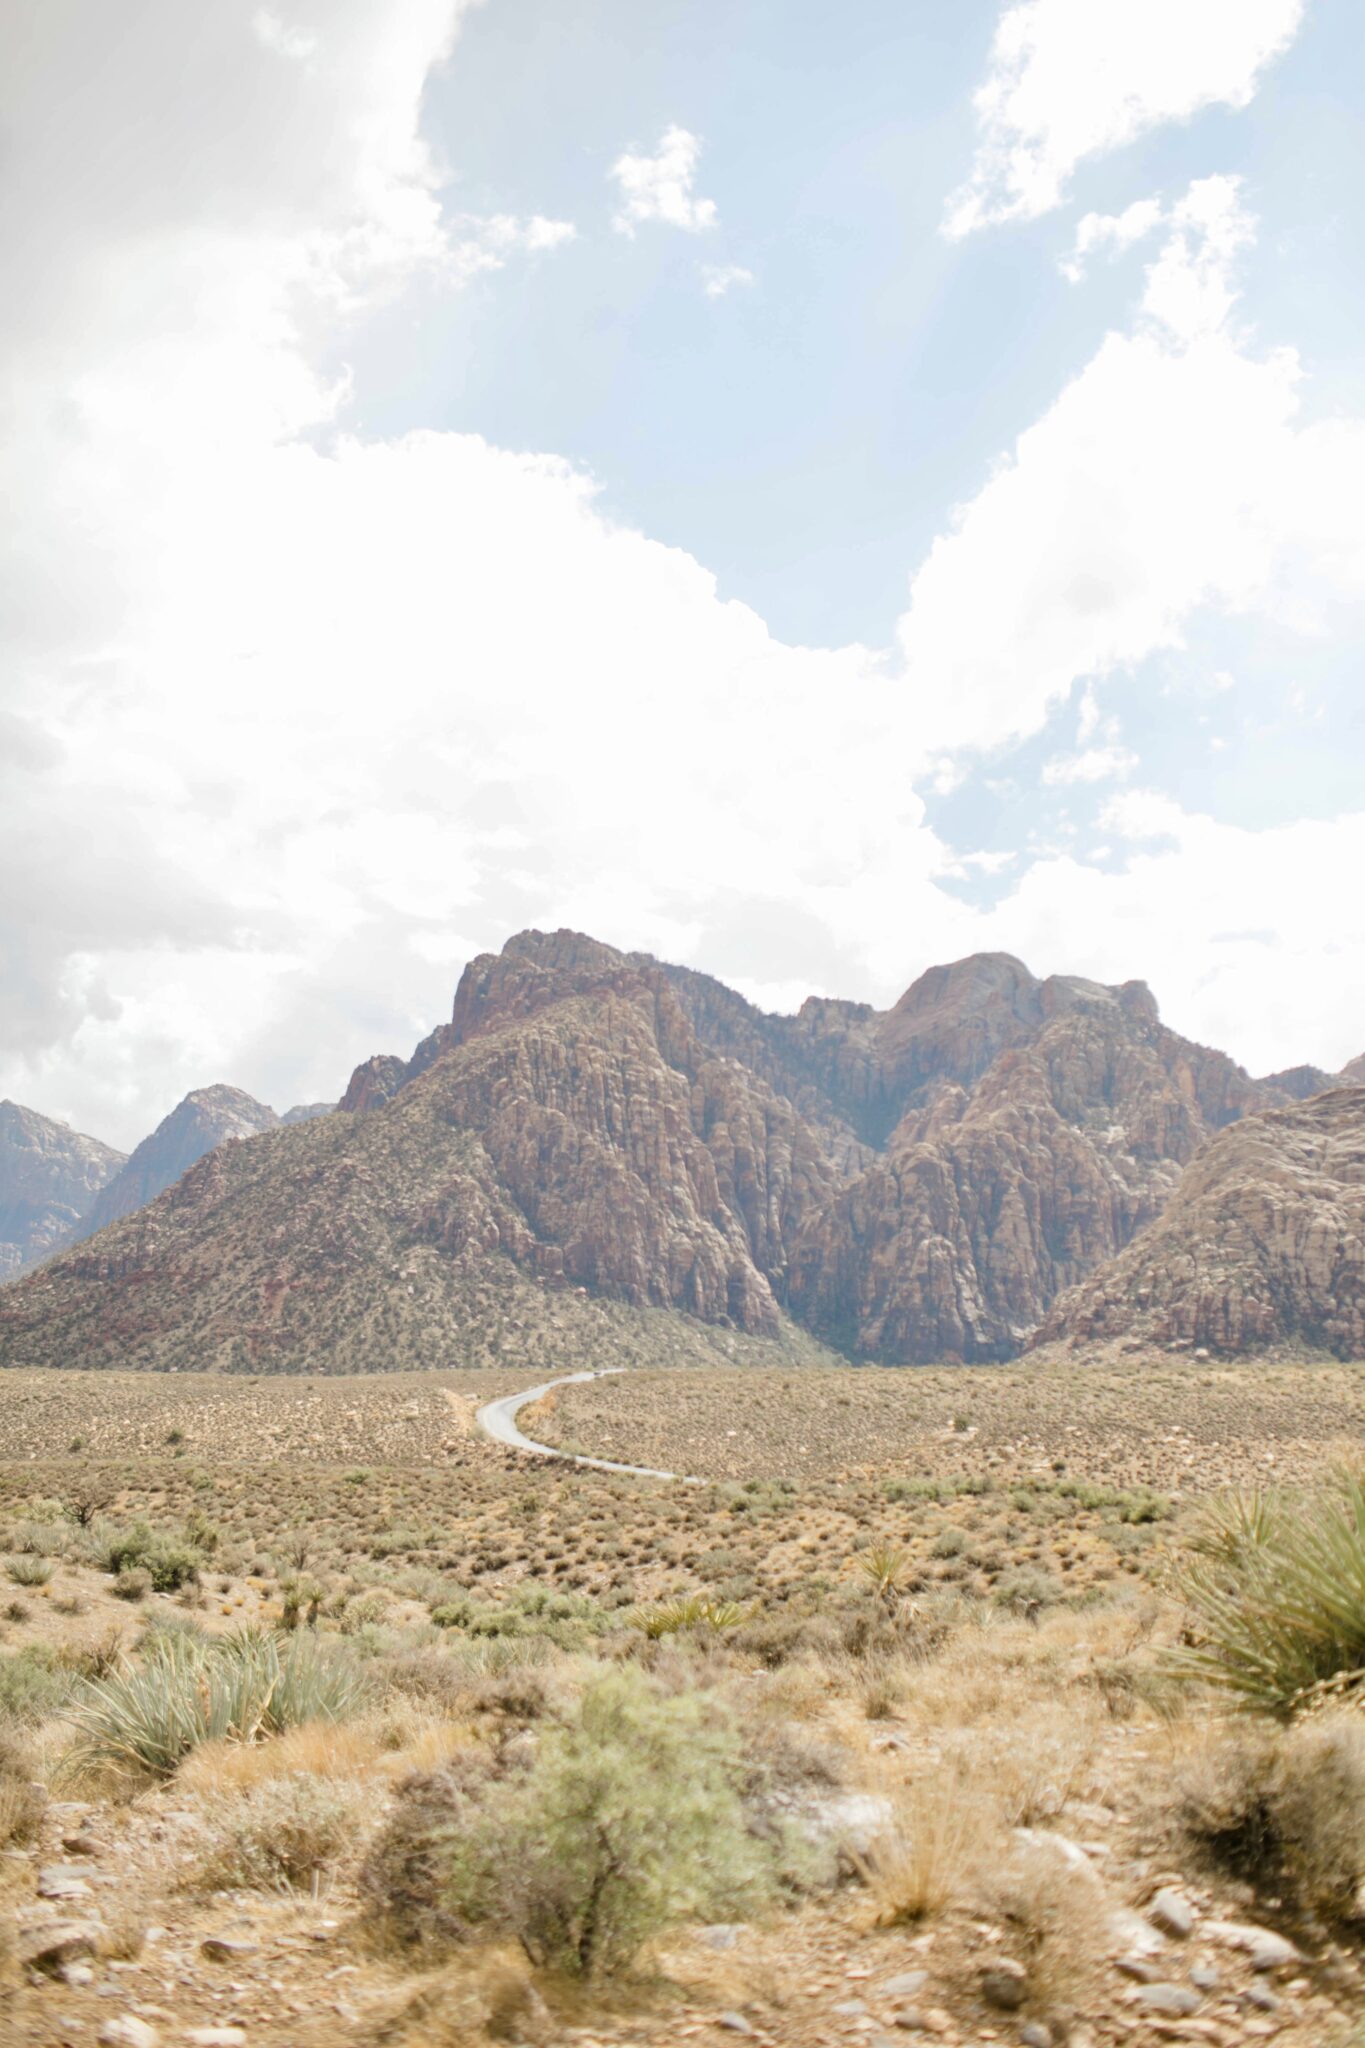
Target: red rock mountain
[49, 1178]
[909, 1184]
[1263, 1243]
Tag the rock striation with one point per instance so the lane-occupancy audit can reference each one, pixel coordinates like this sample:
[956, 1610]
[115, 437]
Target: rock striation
[1262, 1243]
[50, 1176]
[910, 1184]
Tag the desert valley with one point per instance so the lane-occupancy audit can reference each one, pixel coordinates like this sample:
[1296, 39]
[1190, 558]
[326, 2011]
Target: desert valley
[986, 1670]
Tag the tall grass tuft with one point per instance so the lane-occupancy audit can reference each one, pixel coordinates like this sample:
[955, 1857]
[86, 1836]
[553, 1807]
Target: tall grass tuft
[189, 1689]
[1276, 1586]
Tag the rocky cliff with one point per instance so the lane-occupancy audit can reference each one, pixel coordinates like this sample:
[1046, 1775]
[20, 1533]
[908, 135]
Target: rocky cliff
[910, 1184]
[1262, 1243]
[49, 1178]
[205, 1118]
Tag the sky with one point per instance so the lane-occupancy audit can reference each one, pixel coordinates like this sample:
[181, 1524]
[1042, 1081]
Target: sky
[805, 493]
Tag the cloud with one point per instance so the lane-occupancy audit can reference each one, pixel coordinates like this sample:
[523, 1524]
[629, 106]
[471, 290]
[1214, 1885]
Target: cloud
[277, 35]
[1110, 233]
[1092, 764]
[1245, 936]
[1070, 79]
[1171, 476]
[659, 187]
[720, 278]
[296, 720]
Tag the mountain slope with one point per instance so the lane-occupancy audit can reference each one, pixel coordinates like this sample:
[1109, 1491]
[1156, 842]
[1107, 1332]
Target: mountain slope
[556, 1153]
[1263, 1243]
[910, 1184]
[204, 1119]
[49, 1177]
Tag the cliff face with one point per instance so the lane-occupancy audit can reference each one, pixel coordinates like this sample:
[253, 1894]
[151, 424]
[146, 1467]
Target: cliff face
[49, 1177]
[911, 1184]
[204, 1119]
[1262, 1243]
[1001, 1184]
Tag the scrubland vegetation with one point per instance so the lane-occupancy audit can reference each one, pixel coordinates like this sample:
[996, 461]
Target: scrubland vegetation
[966, 1741]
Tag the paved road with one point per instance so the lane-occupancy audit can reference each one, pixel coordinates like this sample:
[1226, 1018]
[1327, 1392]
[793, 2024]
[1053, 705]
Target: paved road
[498, 1419]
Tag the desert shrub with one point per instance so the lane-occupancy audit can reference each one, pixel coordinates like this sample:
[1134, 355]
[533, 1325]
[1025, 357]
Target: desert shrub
[1027, 1591]
[404, 1880]
[22, 1802]
[29, 1570]
[628, 1818]
[189, 1689]
[1055, 1915]
[280, 1835]
[32, 1685]
[1276, 1586]
[170, 1561]
[133, 1583]
[1283, 1808]
[938, 1833]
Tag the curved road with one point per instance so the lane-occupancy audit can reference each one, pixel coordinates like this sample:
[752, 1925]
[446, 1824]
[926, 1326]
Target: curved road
[498, 1419]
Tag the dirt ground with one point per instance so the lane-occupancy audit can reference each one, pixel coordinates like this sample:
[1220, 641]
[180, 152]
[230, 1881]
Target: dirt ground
[1035, 1515]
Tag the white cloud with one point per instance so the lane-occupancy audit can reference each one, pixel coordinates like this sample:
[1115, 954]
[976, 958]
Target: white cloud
[1072, 79]
[720, 278]
[1110, 234]
[1170, 476]
[295, 720]
[659, 187]
[1092, 764]
[1247, 938]
[277, 35]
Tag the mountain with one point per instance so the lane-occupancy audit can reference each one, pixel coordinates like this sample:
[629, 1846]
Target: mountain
[204, 1119]
[593, 1126]
[1262, 1243]
[1354, 1071]
[49, 1177]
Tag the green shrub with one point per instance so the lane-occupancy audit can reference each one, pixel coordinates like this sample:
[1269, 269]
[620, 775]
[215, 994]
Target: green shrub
[628, 1819]
[189, 1689]
[32, 1686]
[1276, 1586]
[169, 1561]
[28, 1570]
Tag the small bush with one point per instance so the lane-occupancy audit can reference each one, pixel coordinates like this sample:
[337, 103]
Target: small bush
[169, 1561]
[281, 1835]
[28, 1570]
[132, 1583]
[32, 1686]
[22, 1802]
[628, 1819]
[1284, 1809]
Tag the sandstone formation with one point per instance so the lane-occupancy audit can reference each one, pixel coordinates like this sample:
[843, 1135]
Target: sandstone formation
[1263, 1243]
[910, 1184]
[49, 1177]
[205, 1118]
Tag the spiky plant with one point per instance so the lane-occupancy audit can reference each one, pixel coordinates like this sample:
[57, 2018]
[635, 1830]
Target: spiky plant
[886, 1567]
[1276, 1587]
[145, 1718]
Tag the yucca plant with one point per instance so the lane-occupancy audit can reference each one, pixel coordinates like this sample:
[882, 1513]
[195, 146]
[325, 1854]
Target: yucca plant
[191, 1689]
[689, 1611]
[1276, 1586]
[886, 1567]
